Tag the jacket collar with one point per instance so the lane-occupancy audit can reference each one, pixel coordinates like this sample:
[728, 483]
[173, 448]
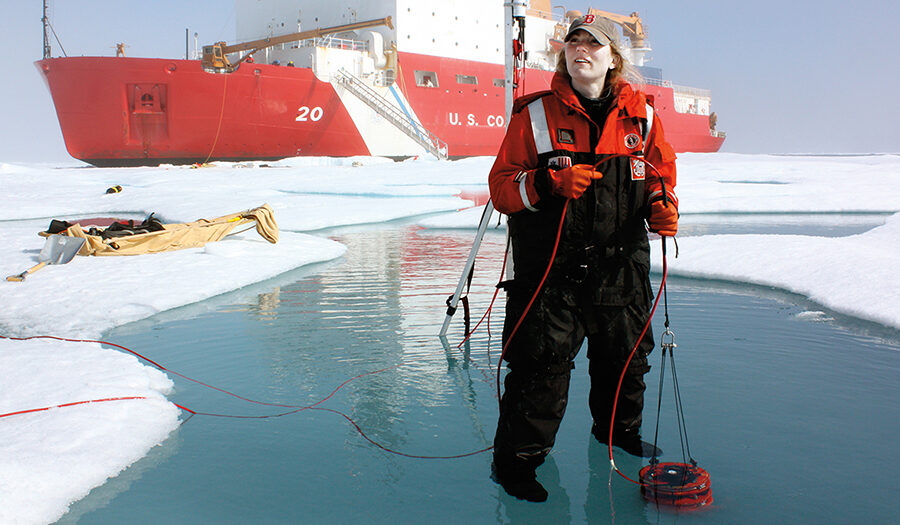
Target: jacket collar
[632, 102]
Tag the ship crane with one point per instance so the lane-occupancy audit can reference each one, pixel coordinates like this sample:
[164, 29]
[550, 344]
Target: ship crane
[633, 28]
[631, 25]
[215, 55]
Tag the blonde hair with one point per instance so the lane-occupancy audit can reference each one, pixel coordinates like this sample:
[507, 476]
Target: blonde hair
[622, 72]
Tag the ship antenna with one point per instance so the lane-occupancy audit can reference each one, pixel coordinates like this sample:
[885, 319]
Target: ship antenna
[514, 51]
[46, 22]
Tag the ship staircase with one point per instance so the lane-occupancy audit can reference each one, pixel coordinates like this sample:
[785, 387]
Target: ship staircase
[392, 114]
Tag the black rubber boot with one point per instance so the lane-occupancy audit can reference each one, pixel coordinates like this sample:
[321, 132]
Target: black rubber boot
[521, 485]
[629, 442]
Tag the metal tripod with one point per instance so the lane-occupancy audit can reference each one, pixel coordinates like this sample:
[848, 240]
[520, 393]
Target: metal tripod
[479, 235]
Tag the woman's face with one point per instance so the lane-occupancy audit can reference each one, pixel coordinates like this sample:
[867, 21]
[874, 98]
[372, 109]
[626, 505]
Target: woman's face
[586, 59]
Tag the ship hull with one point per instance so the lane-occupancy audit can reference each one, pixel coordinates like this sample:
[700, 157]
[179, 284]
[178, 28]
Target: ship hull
[144, 111]
[470, 117]
[147, 111]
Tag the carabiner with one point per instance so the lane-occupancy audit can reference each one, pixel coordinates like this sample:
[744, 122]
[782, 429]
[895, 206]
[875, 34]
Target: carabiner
[670, 344]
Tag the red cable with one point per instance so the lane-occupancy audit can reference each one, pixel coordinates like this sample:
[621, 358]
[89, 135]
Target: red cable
[161, 367]
[488, 311]
[562, 220]
[662, 285]
[297, 408]
[637, 343]
[386, 449]
[64, 405]
[157, 365]
[315, 405]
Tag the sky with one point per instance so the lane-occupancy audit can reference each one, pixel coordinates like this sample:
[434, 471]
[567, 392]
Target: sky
[786, 77]
[848, 275]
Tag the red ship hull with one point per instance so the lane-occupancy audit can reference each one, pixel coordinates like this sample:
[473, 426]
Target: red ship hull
[144, 111]
[148, 111]
[470, 118]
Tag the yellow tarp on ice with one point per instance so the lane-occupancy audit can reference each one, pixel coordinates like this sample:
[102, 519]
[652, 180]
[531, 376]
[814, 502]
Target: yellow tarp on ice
[179, 236]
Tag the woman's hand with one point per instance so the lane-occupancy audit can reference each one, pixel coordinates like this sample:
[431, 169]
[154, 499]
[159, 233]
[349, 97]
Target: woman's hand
[663, 218]
[572, 181]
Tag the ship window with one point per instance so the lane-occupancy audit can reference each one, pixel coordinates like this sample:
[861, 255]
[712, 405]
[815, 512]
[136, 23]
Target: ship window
[499, 82]
[466, 79]
[426, 79]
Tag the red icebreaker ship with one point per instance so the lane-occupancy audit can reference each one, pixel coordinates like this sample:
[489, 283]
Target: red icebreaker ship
[393, 78]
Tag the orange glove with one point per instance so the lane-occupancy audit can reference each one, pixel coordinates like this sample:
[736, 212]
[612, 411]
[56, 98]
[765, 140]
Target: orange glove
[663, 218]
[572, 181]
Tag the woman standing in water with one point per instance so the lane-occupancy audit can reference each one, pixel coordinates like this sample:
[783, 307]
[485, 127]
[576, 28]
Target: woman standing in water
[555, 161]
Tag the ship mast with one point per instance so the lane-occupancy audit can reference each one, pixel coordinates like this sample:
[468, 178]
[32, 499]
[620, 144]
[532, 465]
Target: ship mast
[514, 13]
[46, 22]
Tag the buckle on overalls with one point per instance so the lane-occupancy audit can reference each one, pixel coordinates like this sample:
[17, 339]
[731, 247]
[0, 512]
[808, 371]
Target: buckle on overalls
[579, 274]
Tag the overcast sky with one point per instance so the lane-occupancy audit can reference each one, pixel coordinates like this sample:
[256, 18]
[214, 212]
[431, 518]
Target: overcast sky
[786, 77]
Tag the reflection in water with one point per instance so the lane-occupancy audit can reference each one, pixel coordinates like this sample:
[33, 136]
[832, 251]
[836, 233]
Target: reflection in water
[510, 510]
[267, 304]
[758, 376]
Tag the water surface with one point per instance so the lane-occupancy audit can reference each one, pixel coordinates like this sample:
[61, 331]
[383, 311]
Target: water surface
[791, 409]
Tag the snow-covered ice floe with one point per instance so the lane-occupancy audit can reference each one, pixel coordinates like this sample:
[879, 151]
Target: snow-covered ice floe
[51, 458]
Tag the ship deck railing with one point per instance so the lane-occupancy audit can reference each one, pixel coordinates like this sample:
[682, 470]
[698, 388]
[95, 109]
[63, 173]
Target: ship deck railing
[334, 43]
[547, 15]
[392, 114]
[685, 90]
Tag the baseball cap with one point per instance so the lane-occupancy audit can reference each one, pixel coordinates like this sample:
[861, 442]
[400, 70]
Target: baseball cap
[600, 28]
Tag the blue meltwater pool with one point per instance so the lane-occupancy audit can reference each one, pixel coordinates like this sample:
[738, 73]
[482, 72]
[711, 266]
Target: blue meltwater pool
[791, 409]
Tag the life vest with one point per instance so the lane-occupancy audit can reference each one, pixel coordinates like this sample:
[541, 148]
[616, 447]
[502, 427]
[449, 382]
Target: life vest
[632, 141]
[604, 230]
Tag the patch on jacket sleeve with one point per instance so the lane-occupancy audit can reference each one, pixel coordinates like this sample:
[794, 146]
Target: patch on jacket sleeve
[559, 162]
[565, 136]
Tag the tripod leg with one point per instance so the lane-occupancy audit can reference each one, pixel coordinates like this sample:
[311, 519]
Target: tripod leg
[451, 308]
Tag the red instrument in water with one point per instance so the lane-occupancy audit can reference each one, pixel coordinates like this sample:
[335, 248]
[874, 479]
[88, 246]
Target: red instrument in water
[679, 485]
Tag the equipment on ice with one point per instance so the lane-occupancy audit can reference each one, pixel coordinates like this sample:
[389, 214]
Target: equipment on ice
[152, 236]
[58, 249]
